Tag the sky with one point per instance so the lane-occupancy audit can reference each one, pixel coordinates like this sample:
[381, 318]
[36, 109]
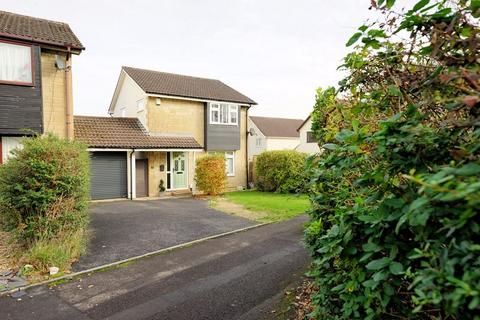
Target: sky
[276, 52]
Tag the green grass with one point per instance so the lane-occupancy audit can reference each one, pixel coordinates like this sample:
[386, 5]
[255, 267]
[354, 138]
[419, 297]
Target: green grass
[276, 206]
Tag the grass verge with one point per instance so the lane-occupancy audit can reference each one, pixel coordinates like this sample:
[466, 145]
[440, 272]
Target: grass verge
[262, 206]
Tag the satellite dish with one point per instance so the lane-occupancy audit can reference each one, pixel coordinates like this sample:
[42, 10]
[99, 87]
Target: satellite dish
[59, 64]
[251, 132]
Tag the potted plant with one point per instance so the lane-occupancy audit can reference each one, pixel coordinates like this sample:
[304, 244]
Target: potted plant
[161, 187]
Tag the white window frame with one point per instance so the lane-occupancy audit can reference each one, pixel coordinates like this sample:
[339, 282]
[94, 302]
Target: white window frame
[8, 145]
[140, 105]
[230, 155]
[258, 142]
[216, 107]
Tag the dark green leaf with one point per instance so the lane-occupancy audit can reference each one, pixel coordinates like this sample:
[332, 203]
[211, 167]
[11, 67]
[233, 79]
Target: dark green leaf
[378, 264]
[353, 39]
[396, 268]
[420, 4]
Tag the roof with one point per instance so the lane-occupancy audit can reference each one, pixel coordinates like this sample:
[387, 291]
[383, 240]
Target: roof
[304, 121]
[170, 84]
[277, 127]
[129, 133]
[38, 30]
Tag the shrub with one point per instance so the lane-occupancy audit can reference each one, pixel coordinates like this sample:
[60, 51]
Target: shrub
[44, 188]
[280, 171]
[210, 175]
[396, 195]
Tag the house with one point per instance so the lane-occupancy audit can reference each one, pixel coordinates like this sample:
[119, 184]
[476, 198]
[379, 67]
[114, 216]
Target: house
[35, 79]
[307, 140]
[272, 134]
[161, 123]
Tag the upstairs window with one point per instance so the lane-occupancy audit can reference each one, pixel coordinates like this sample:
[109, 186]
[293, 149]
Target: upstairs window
[222, 113]
[16, 64]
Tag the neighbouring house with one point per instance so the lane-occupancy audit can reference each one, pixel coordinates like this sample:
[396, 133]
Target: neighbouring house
[307, 144]
[35, 79]
[161, 123]
[268, 134]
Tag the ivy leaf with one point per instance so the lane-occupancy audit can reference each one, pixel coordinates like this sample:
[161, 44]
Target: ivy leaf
[363, 28]
[419, 5]
[330, 146]
[396, 268]
[354, 39]
[390, 4]
[378, 264]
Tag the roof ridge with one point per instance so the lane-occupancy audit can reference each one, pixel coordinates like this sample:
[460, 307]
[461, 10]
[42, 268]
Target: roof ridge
[174, 74]
[102, 117]
[263, 117]
[32, 17]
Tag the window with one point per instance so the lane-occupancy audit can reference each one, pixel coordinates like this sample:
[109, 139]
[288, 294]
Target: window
[16, 64]
[123, 112]
[259, 142]
[223, 114]
[140, 105]
[310, 137]
[230, 163]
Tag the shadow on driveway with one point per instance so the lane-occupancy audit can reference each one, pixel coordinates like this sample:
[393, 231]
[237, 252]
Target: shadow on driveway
[125, 229]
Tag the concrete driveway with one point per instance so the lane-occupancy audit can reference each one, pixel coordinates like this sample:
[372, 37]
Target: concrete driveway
[125, 229]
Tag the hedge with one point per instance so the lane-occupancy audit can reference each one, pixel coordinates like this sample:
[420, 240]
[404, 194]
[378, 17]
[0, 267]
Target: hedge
[394, 229]
[280, 171]
[210, 174]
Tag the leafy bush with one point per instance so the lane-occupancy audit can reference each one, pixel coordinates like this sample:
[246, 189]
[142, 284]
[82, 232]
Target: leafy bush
[280, 171]
[210, 175]
[44, 188]
[396, 196]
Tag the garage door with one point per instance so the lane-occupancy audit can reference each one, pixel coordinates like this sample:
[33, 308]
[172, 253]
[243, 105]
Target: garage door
[108, 172]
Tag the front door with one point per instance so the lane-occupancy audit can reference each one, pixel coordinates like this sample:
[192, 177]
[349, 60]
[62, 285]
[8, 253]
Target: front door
[179, 170]
[141, 177]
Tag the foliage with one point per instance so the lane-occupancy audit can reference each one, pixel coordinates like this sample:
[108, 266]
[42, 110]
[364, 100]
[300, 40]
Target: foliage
[280, 171]
[44, 188]
[276, 206]
[59, 252]
[396, 195]
[210, 174]
[161, 186]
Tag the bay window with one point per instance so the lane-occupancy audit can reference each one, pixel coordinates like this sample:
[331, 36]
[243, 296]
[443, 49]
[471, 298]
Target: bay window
[222, 113]
[16, 64]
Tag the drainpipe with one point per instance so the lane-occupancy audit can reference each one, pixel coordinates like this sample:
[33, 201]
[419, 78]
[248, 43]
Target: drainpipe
[132, 175]
[69, 95]
[246, 148]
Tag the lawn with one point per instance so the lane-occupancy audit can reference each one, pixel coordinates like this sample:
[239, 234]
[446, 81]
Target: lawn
[262, 206]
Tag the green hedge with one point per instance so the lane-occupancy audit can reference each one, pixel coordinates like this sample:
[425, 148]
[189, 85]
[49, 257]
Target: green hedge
[280, 171]
[395, 225]
[44, 188]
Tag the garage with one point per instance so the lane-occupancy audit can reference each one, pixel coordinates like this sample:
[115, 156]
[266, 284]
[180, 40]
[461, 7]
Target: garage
[108, 171]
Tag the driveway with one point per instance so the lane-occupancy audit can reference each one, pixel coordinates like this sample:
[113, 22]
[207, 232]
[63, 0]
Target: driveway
[124, 229]
[237, 277]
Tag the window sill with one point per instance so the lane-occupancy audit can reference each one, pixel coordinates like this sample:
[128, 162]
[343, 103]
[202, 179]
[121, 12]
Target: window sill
[231, 175]
[223, 124]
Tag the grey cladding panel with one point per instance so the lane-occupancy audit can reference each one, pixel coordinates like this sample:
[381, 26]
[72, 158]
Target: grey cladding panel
[21, 106]
[221, 137]
[108, 171]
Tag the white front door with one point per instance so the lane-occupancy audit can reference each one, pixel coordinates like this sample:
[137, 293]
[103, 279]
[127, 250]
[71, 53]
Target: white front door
[179, 170]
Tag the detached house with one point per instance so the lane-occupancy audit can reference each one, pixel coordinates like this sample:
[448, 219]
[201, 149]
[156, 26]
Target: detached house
[272, 134]
[161, 123]
[307, 144]
[35, 78]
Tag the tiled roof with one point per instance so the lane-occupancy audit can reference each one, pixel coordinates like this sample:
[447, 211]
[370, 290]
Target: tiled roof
[278, 127]
[170, 84]
[18, 26]
[128, 133]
